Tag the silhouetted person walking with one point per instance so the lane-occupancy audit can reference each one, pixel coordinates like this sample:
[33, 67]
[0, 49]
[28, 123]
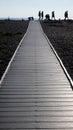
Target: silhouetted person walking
[66, 15]
[42, 14]
[53, 15]
[39, 14]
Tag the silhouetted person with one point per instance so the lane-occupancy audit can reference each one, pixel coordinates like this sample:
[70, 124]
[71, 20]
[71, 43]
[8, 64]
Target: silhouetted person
[42, 14]
[66, 15]
[53, 15]
[47, 16]
[39, 14]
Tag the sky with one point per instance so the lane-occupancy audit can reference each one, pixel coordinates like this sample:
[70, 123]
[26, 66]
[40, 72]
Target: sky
[26, 8]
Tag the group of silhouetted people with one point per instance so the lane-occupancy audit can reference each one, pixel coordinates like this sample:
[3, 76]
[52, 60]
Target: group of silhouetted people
[41, 15]
[47, 16]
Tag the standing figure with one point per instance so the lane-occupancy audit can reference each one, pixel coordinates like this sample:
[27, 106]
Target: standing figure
[42, 14]
[66, 15]
[39, 14]
[53, 15]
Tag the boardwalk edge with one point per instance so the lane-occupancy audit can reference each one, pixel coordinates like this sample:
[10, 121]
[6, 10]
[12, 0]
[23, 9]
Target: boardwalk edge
[9, 64]
[60, 61]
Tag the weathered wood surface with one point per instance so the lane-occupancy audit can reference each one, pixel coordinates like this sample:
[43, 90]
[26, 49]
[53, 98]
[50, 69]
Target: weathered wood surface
[35, 93]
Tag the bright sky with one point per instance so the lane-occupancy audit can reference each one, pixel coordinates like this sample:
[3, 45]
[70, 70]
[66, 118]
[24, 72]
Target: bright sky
[26, 8]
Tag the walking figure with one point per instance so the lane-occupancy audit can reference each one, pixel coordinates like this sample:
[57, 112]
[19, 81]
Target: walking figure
[39, 14]
[53, 15]
[42, 15]
[66, 15]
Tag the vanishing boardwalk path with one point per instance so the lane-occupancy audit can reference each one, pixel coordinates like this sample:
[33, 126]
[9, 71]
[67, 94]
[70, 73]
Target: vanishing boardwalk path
[35, 93]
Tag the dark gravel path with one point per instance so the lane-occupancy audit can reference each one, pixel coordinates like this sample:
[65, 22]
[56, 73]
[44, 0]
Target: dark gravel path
[11, 33]
[61, 36]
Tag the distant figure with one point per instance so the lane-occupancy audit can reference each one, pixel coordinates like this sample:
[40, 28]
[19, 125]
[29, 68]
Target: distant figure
[53, 15]
[47, 16]
[30, 18]
[39, 14]
[66, 15]
[42, 14]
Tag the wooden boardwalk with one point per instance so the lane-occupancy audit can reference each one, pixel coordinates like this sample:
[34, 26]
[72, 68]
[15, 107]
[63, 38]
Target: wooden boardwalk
[35, 93]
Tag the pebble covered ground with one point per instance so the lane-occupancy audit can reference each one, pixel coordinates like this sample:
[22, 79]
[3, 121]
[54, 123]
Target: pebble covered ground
[60, 33]
[11, 32]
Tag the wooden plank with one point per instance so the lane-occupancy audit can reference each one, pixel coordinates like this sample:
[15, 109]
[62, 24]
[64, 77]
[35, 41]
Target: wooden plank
[35, 93]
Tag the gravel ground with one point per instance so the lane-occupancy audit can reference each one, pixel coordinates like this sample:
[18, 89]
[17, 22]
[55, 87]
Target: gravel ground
[60, 33]
[11, 33]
